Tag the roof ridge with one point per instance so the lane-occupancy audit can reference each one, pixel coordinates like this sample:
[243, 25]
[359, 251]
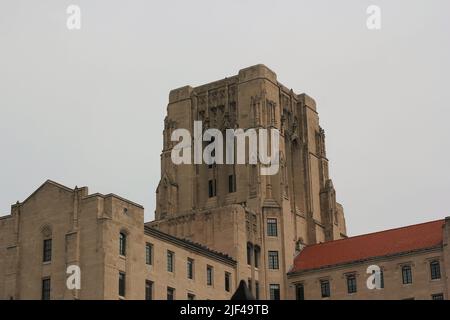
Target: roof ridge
[376, 232]
[190, 242]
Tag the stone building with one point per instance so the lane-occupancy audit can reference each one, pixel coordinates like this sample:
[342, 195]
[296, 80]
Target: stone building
[259, 220]
[215, 224]
[413, 262]
[104, 235]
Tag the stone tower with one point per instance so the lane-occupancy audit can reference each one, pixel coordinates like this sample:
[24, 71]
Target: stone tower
[260, 220]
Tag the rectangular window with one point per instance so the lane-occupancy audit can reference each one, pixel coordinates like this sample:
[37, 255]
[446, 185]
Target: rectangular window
[273, 260]
[148, 290]
[149, 254]
[351, 284]
[170, 266]
[406, 275]
[257, 254]
[122, 280]
[231, 183]
[257, 290]
[122, 244]
[190, 268]
[382, 279]
[272, 230]
[46, 289]
[212, 188]
[170, 293]
[227, 281]
[435, 270]
[274, 291]
[250, 286]
[249, 253]
[209, 275]
[325, 288]
[47, 252]
[438, 296]
[299, 292]
[191, 296]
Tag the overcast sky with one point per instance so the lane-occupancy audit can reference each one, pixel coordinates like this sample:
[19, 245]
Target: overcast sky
[86, 107]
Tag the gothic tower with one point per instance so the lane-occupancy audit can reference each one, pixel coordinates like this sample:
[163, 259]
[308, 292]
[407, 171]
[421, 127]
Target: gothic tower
[260, 220]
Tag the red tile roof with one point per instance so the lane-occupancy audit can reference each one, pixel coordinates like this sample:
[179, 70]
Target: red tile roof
[378, 244]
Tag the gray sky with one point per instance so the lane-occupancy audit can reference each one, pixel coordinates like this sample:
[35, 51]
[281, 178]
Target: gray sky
[87, 107]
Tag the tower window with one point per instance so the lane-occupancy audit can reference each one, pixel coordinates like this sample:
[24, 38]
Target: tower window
[212, 188]
[231, 183]
[148, 290]
[170, 266]
[227, 281]
[272, 230]
[249, 253]
[47, 250]
[122, 284]
[190, 268]
[148, 253]
[170, 293]
[209, 275]
[257, 254]
[274, 290]
[122, 244]
[46, 288]
[273, 260]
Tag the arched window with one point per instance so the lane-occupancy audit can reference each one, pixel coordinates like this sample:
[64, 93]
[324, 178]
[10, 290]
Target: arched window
[123, 244]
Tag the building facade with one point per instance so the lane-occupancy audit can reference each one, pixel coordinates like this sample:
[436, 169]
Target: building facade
[413, 262]
[216, 224]
[104, 235]
[259, 220]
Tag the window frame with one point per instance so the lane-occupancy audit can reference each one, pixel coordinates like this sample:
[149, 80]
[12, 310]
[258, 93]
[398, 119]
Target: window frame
[407, 277]
[122, 244]
[435, 270]
[272, 227]
[149, 289]
[190, 268]
[352, 283]
[209, 275]
[325, 288]
[170, 261]
[149, 254]
[297, 295]
[273, 260]
[122, 284]
[274, 288]
[46, 290]
[227, 281]
[47, 250]
[172, 293]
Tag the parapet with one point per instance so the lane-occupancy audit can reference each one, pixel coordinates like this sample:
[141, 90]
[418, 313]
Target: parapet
[256, 72]
[180, 94]
[307, 101]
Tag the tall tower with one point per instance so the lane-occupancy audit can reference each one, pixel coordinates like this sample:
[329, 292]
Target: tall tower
[260, 220]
